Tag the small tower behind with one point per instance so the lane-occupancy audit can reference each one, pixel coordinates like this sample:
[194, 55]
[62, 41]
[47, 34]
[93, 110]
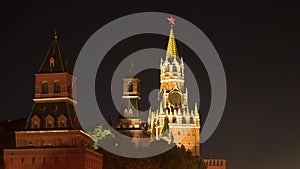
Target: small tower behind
[129, 122]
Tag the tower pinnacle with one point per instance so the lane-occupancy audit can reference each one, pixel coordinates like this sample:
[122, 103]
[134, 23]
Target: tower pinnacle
[55, 34]
[171, 20]
[131, 71]
[54, 61]
[171, 49]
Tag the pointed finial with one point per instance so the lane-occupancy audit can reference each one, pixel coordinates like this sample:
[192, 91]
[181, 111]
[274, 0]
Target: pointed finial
[149, 116]
[171, 49]
[196, 110]
[131, 69]
[179, 112]
[175, 86]
[182, 63]
[171, 20]
[55, 34]
[161, 108]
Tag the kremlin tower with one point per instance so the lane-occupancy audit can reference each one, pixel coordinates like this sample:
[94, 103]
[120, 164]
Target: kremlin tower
[174, 121]
[53, 136]
[129, 122]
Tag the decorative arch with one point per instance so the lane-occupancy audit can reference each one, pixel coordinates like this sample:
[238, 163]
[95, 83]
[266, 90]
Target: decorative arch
[57, 86]
[192, 120]
[174, 119]
[130, 87]
[30, 144]
[49, 121]
[184, 120]
[62, 121]
[45, 87]
[35, 122]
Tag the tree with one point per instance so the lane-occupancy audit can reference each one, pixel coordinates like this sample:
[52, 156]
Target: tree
[173, 158]
[98, 134]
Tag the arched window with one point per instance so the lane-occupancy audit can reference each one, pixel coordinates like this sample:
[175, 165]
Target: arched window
[45, 87]
[30, 144]
[183, 120]
[191, 120]
[49, 122]
[35, 122]
[62, 121]
[174, 119]
[130, 87]
[57, 87]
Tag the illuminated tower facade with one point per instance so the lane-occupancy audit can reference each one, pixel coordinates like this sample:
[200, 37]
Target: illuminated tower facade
[129, 122]
[174, 121]
[53, 136]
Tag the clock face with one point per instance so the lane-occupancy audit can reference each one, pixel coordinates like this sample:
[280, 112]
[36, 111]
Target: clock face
[175, 98]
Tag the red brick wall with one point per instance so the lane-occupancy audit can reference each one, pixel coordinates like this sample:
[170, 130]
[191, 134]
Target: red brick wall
[49, 158]
[68, 149]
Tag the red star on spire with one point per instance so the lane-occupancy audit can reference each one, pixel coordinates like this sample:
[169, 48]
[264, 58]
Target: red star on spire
[171, 20]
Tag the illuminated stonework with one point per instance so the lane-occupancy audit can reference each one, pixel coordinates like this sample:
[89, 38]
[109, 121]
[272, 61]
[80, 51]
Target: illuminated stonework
[129, 122]
[53, 136]
[183, 125]
[173, 121]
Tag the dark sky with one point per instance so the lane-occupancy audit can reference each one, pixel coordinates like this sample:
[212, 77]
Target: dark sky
[257, 43]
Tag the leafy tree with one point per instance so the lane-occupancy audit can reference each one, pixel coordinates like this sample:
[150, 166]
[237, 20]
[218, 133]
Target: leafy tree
[98, 134]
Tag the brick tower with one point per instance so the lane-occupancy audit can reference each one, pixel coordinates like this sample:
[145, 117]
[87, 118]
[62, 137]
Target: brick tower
[173, 121]
[53, 136]
[129, 122]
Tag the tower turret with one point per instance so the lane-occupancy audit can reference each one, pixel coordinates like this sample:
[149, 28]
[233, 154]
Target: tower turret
[129, 122]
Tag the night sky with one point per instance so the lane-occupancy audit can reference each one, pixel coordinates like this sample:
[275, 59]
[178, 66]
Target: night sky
[257, 43]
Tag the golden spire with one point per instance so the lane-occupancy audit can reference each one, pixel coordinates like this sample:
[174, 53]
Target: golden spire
[172, 49]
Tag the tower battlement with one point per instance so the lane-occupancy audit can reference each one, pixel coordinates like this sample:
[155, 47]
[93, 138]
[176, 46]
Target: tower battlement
[215, 163]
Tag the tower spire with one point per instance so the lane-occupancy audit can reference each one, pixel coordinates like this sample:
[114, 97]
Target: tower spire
[131, 71]
[171, 49]
[54, 61]
[55, 34]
